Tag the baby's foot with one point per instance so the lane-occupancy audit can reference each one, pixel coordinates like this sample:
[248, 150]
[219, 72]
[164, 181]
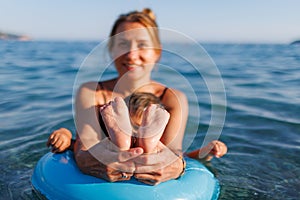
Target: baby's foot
[153, 125]
[116, 118]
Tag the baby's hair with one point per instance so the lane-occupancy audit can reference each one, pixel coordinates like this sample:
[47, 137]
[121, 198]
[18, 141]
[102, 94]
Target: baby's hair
[139, 101]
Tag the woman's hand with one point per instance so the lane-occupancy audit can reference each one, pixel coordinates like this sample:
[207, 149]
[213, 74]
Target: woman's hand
[59, 140]
[158, 167]
[104, 160]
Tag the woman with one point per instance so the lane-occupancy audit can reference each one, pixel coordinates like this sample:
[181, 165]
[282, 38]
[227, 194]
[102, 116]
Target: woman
[135, 47]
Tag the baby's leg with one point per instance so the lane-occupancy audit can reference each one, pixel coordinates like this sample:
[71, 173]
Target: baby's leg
[153, 125]
[116, 118]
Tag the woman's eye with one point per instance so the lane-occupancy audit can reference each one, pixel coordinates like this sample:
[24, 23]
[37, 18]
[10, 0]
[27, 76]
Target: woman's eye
[142, 45]
[123, 44]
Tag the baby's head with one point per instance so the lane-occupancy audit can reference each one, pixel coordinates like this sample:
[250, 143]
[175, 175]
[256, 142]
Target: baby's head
[138, 102]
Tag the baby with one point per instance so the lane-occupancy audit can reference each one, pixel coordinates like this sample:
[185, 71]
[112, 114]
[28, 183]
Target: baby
[141, 124]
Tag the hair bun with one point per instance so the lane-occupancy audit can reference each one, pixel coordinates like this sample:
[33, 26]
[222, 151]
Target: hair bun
[149, 12]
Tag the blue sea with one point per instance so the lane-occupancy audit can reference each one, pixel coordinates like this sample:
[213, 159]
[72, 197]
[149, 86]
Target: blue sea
[252, 88]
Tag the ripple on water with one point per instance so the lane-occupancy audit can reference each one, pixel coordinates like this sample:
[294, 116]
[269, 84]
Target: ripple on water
[261, 129]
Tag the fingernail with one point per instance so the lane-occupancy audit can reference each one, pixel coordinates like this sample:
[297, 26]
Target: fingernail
[138, 151]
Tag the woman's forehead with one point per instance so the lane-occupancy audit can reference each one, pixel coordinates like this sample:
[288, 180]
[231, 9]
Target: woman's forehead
[132, 31]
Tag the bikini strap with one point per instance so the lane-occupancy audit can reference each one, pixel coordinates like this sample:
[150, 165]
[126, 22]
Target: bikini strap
[163, 93]
[101, 122]
[102, 88]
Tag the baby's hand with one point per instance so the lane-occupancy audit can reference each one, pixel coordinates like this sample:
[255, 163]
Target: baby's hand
[60, 140]
[214, 148]
[218, 150]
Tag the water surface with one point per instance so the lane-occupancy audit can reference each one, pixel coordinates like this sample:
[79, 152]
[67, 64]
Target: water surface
[261, 128]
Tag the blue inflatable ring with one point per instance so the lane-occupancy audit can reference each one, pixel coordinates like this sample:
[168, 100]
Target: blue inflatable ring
[57, 177]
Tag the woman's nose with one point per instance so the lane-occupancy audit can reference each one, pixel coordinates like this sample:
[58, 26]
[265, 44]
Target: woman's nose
[133, 52]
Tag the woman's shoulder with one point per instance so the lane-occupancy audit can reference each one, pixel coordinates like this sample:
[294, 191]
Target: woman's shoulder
[171, 93]
[88, 88]
[86, 93]
[90, 93]
[172, 97]
[89, 85]
[96, 86]
[166, 93]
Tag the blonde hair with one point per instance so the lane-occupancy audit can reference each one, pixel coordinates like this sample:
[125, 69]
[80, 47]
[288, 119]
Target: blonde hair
[146, 18]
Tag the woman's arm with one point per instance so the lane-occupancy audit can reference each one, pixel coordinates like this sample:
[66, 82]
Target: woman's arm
[104, 160]
[159, 167]
[86, 115]
[177, 105]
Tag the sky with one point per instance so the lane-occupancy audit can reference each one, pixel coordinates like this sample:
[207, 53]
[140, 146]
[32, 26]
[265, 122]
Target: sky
[242, 21]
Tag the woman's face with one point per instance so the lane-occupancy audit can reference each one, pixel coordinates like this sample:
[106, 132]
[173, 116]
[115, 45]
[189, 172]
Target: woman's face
[133, 51]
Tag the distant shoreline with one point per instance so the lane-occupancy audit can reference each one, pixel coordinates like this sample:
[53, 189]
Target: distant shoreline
[9, 36]
[296, 42]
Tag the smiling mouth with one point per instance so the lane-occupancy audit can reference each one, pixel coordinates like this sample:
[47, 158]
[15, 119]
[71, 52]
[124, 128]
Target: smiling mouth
[131, 66]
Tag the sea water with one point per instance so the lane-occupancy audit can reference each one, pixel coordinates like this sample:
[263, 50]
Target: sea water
[261, 110]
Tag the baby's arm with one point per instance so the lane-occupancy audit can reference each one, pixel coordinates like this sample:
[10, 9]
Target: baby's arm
[60, 140]
[216, 148]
